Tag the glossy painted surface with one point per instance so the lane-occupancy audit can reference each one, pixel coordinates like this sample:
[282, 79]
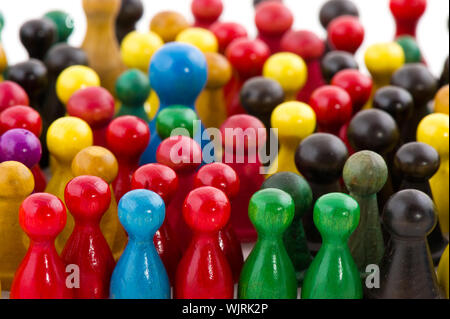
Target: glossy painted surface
[407, 15]
[21, 116]
[346, 33]
[176, 117]
[410, 48]
[168, 24]
[356, 84]
[12, 94]
[37, 36]
[74, 78]
[21, 146]
[336, 8]
[335, 61]
[227, 32]
[64, 24]
[129, 14]
[137, 49]
[441, 100]
[202, 39]
[206, 12]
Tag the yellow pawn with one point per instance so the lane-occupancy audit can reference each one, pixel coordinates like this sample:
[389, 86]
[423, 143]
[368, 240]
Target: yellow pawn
[201, 38]
[443, 272]
[100, 162]
[289, 70]
[65, 138]
[441, 101]
[168, 24]
[295, 121]
[137, 49]
[16, 183]
[3, 62]
[211, 106]
[74, 78]
[434, 130]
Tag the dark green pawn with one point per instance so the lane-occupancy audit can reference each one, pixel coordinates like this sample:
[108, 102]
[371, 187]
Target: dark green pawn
[64, 24]
[410, 48]
[2, 24]
[294, 237]
[132, 90]
[177, 117]
[268, 272]
[365, 174]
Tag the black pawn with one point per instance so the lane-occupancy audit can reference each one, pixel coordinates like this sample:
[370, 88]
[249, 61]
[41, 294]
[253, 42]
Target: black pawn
[336, 61]
[130, 13]
[37, 36]
[444, 76]
[407, 270]
[320, 158]
[256, 2]
[336, 8]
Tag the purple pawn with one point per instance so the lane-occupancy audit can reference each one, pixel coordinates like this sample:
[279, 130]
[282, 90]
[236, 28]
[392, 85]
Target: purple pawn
[21, 146]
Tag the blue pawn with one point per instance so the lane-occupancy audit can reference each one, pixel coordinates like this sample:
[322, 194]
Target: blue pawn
[140, 273]
[178, 73]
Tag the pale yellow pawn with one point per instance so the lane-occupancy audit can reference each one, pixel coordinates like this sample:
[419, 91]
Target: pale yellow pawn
[442, 273]
[210, 105]
[168, 24]
[201, 38]
[441, 100]
[294, 121]
[16, 183]
[65, 138]
[434, 130]
[100, 162]
[289, 70]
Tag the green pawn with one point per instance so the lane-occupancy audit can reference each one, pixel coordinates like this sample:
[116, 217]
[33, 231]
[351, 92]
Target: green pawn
[2, 24]
[176, 117]
[365, 174]
[268, 272]
[410, 48]
[132, 90]
[333, 273]
[294, 237]
[64, 24]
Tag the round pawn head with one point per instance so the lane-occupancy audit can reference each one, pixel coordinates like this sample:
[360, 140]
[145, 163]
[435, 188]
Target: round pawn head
[336, 216]
[296, 186]
[219, 71]
[247, 56]
[417, 80]
[294, 120]
[87, 198]
[12, 94]
[157, 178]
[180, 153]
[42, 216]
[417, 161]
[441, 100]
[383, 59]
[141, 212]
[206, 209]
[243, 132]
[336, 61]
[288, 69]
[31, 75]
[408, 10]
[303, 43]
[396, 101]
[271, 211]
[67, 136]
[137, 49]
[129, 14]
[21, 146]
[63, 22]
[133, 88]
[273, 18]
[321, 157]
[95, 105]
[220, 176]
[409, 214]
[176, 117]
[346, 33]
[202, 39]
[336, 8]
[365, 173]
[434, 131]
[37, 36]
[333, 107]
[74, 78]
[207, 11]
[23, 117]
[16, 180]
[96, 161]
[127, 136]
[357, 85]
[178, 73]
[168, 25]
[61, 56]
[373, 130]
[227, 32]
[410, 49]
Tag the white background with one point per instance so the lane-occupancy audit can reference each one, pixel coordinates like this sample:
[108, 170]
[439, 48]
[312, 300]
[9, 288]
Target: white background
[375, 15]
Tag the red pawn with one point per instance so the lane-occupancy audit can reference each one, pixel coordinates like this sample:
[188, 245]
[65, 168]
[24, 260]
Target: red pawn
[184, 156]
[241, 154]
[163, 181]
[311, 48]
[273, 20]
[204, 272]
[206, 12]
[88, 198]
[96, 106]
[127, 137]
[12, 94]
[346, 33]
[227, 32]
[25, 117]
[358, 86]
[223, 177]
[247, 58]
[333, 108]
[407, 14]
[42, 273]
